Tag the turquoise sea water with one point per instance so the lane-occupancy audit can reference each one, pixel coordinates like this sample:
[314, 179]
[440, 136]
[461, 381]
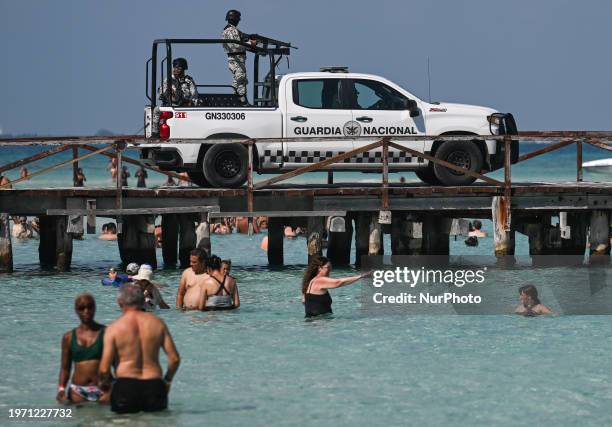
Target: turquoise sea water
[265, 365]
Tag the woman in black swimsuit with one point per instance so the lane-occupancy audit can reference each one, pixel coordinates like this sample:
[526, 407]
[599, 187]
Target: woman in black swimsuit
[220, 290]
[316, 283]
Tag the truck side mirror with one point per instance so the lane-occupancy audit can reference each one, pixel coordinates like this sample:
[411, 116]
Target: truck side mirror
[413, 107]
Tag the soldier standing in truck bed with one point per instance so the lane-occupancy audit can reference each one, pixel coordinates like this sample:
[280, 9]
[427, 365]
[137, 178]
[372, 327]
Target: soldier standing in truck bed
[236, 54]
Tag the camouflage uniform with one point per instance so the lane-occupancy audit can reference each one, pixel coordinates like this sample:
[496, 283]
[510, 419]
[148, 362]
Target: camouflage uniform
[236, 59]
[184, 94]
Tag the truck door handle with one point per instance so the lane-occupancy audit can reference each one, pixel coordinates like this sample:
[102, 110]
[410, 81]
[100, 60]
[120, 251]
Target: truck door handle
[364, 119]
[300, 119]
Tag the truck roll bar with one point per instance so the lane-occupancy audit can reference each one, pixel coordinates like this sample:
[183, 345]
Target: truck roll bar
[273, 49]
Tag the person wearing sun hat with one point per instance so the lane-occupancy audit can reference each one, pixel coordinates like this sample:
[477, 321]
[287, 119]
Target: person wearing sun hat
[132, 269]
[153, 298]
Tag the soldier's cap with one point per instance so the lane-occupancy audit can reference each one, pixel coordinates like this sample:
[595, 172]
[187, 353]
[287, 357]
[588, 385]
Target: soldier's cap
[231, 12]
[180, 62]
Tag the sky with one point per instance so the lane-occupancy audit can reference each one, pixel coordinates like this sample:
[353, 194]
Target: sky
[74, 67]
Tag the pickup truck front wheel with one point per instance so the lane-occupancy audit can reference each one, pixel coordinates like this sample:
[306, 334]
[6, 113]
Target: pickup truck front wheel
[225, 165]
[461, 153]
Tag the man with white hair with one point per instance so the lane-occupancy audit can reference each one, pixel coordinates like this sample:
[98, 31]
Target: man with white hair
[132, 343]
[144, 279]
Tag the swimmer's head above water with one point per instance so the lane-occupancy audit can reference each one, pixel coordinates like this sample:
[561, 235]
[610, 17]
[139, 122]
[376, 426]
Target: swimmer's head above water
[198, 261]
[226, 266]
[319, 265]
[132, 268]
[85, 307]
[130, 296]
[528, 295]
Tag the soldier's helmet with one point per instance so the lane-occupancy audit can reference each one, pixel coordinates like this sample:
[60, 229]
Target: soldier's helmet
[232, 15]
[180, 62]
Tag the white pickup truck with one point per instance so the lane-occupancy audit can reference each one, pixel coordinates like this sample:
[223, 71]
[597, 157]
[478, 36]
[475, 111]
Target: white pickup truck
[333, 105]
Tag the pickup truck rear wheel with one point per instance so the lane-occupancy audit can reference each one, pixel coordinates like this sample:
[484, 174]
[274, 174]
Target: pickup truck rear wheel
[461, 153]
[225, 165]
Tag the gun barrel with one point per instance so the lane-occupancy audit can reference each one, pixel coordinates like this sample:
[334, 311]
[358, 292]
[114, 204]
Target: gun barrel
[269, 40]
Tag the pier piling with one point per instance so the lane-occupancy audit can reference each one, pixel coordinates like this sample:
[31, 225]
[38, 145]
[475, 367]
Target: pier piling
[63, 245]
[203, 235]
[362, 236]
[55, 244]
[316, 228]
[400, 239]
[6, 249]
[276, 234]
[375, 240]
[187, 238]
[599, 236]
[574, 234]
[536, 229]
[339, 244]
[169, 240]
[47, 242]
[137, 240]
[503, 235]
[436, 230]
[91, 218]
[414, 230]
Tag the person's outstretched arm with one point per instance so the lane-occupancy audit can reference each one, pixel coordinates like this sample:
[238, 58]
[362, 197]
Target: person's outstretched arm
[331, 283]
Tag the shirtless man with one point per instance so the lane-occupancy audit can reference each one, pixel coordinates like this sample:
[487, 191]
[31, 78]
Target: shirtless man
[132, 343]
[192, 280]
[476, 229]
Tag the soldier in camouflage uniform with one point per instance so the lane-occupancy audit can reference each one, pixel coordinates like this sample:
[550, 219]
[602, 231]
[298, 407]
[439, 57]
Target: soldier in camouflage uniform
[184, 91]
[236, 54]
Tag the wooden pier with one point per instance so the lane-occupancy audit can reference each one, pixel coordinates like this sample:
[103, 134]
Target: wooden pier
[418, 218]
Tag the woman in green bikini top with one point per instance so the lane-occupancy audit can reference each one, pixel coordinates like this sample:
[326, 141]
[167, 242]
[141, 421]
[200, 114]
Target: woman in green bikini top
[83, 347]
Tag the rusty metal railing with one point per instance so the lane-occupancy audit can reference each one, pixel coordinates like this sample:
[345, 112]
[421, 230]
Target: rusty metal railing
[118, 143]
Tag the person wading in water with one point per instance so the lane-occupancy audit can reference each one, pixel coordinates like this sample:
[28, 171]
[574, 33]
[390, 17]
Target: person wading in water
[316, 284]
[83, 347]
